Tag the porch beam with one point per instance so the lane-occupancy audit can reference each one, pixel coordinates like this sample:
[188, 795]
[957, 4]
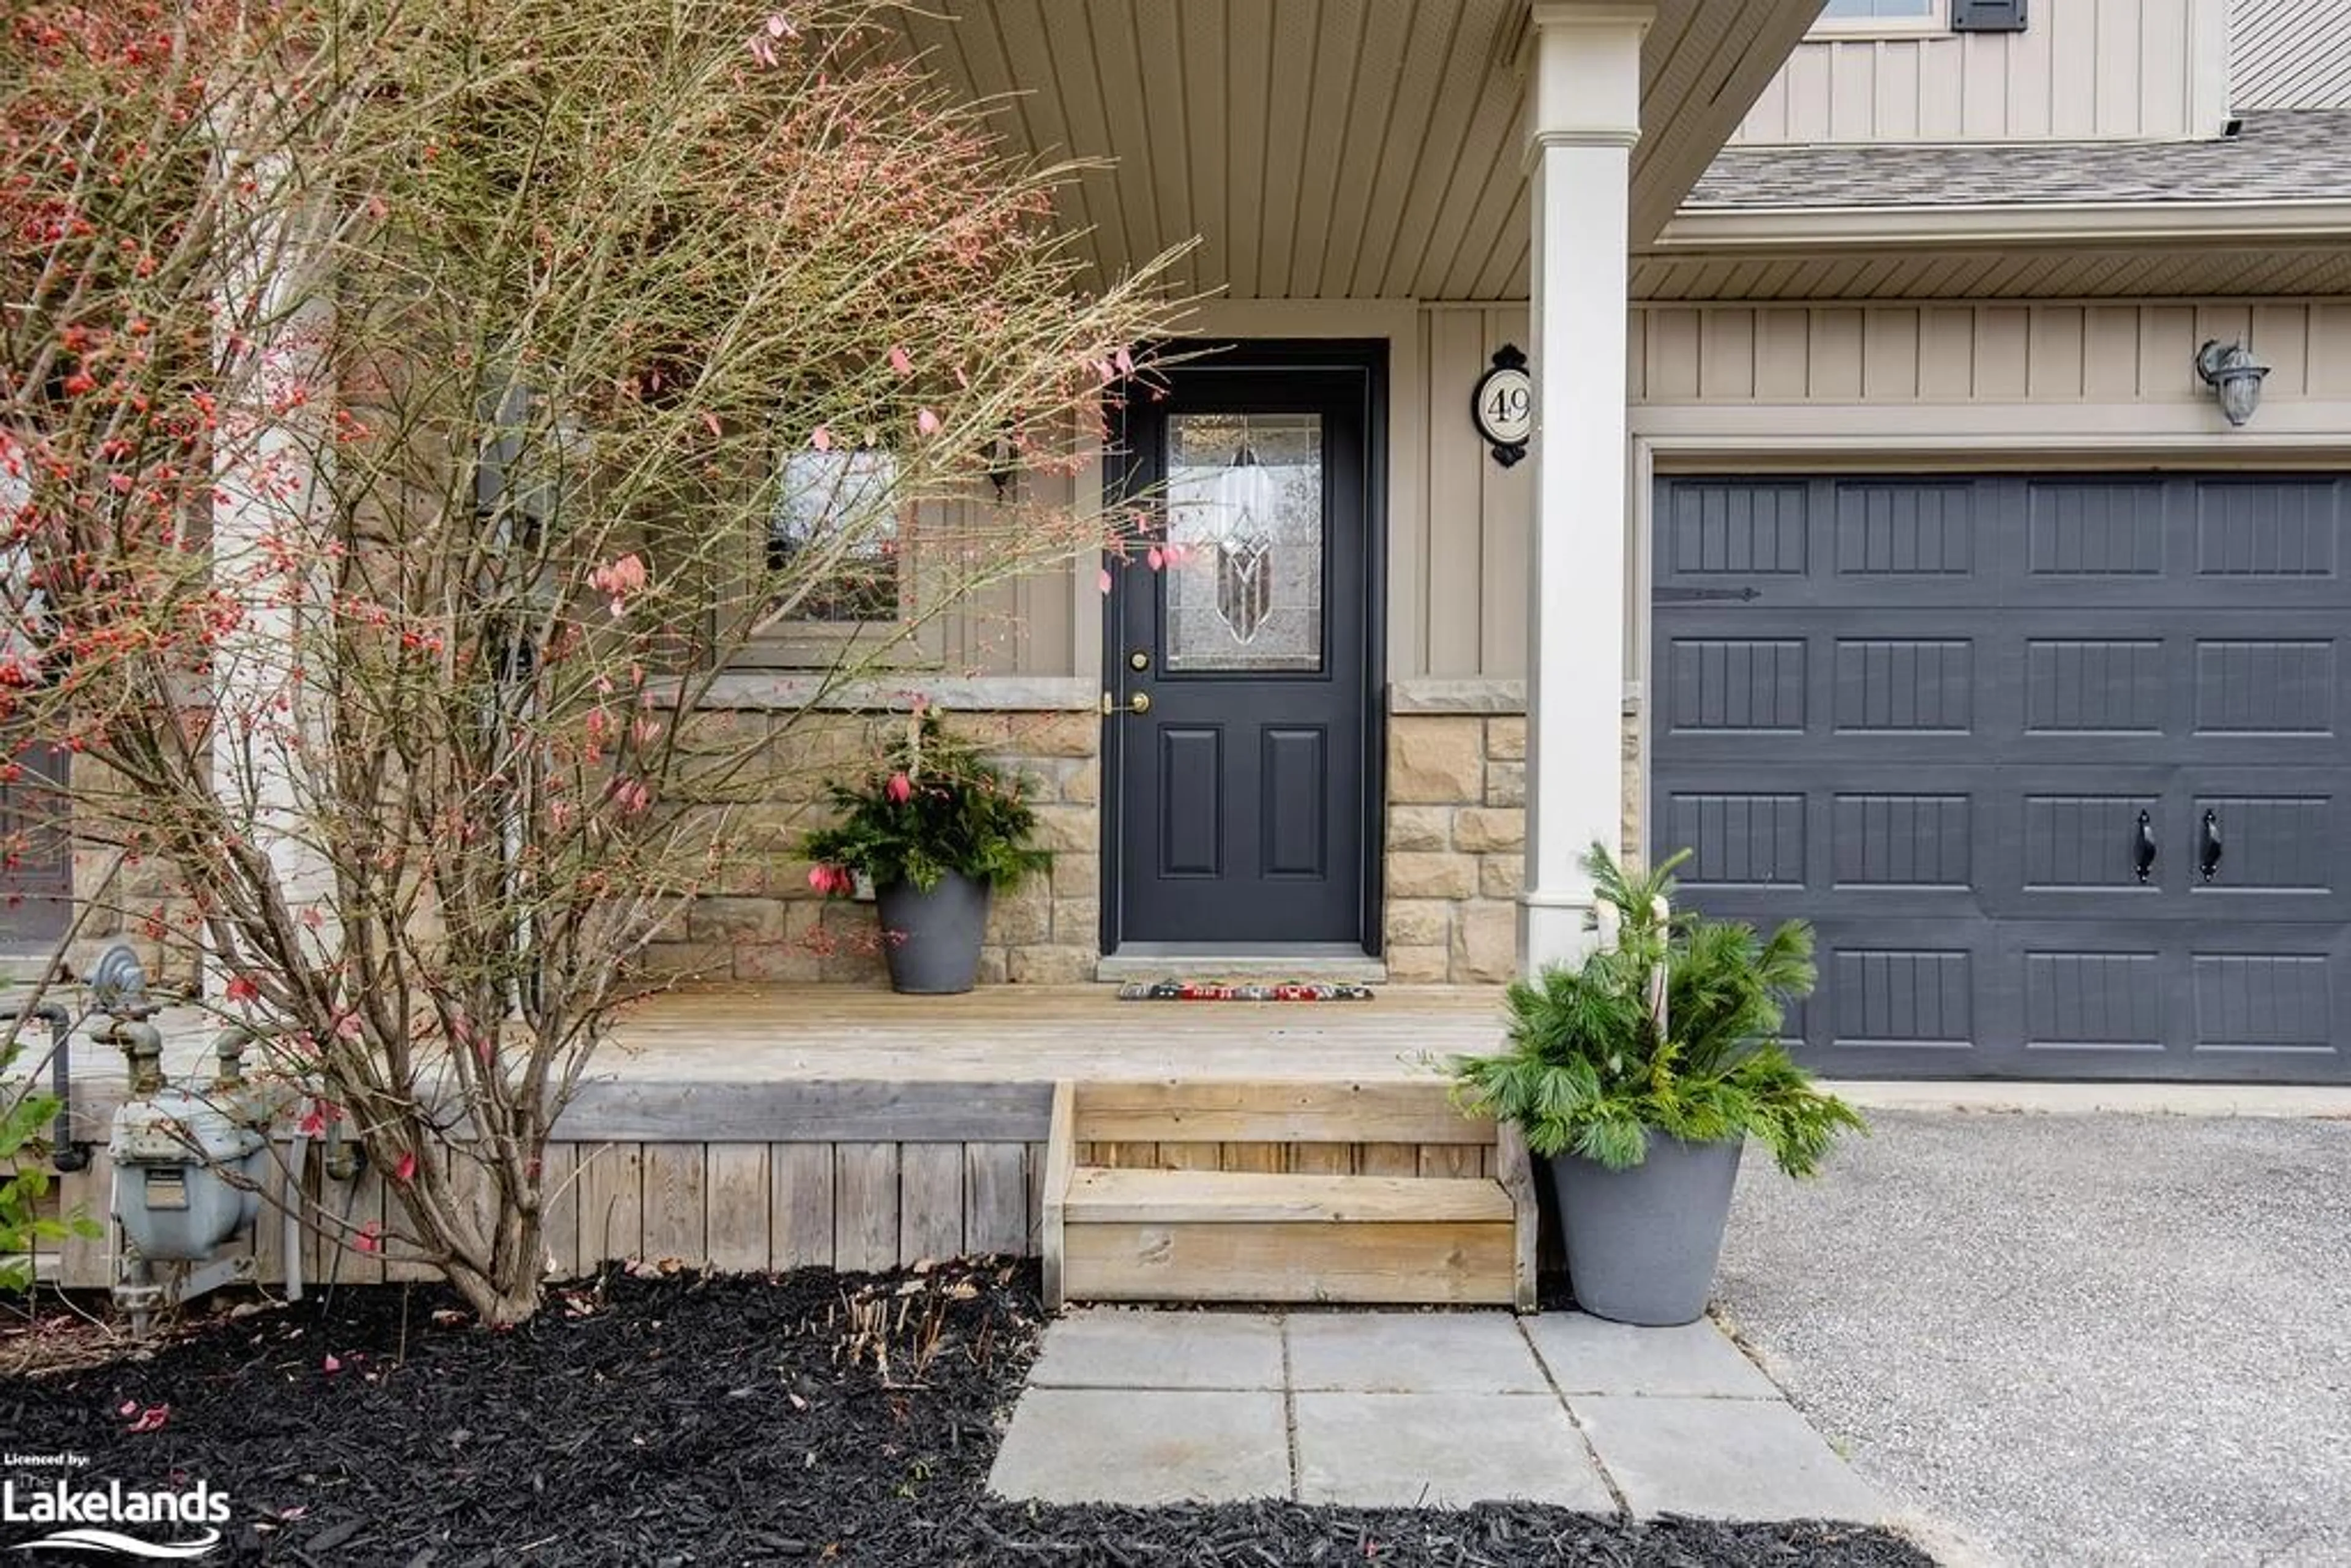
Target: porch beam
[1584, 118]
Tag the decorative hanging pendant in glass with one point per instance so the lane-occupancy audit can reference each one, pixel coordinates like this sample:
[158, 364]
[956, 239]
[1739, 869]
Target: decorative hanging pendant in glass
[1245, 553]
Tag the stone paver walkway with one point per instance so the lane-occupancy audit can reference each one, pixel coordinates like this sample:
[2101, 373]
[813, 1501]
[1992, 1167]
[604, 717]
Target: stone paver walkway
[1415, 1409]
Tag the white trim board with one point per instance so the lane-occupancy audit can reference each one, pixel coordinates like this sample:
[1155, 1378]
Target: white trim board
[2308, 427]
[1769, 231]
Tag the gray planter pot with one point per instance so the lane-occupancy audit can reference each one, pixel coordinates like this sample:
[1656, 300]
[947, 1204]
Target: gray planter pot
[1641, 1243]
[931, 940]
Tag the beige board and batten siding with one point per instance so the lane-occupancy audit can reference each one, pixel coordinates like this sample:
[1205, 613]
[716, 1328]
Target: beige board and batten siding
[2080, 70]
[1732, 387]
[1978, 353]
[2289, 54]
[1026, 625]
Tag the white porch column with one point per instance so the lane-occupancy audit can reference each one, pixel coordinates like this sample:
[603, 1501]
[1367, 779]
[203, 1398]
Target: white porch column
[1583, 116]
[272, 467]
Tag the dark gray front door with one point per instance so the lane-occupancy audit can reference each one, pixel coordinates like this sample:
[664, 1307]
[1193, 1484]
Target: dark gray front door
[1951, 722]
[1238, 623]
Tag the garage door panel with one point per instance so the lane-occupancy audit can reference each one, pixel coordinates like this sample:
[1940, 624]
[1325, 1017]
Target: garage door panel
[1769, 842]
[2280, 835]
[1739, 838]
[2083, 682]
[2075, 836]
[2086, 537]
[1747, 682]
[2266, 684]
[2093, 1000]
[2268, 1001]
[1950, 722]
[1901, 997]
[2270, 541]
[2066, 843]
[1763, 685]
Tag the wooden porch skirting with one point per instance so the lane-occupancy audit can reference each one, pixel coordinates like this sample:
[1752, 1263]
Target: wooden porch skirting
[770, 1129]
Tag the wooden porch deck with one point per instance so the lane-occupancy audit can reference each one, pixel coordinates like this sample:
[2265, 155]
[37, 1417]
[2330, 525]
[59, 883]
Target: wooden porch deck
[772, 1127]
[1038, 1033]
[836, 1063]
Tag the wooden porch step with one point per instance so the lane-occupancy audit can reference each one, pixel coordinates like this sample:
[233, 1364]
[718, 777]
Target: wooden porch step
[1192, 1234]
[1101, 1195]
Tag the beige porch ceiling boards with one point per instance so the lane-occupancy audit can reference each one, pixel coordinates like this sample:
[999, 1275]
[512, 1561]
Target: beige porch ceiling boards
[1328, 149]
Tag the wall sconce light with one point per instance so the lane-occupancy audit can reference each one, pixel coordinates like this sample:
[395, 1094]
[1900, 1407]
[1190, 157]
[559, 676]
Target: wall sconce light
[2234, 376]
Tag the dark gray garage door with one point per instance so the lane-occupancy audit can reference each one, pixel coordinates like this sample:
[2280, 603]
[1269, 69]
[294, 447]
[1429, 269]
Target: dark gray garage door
[2055, 765]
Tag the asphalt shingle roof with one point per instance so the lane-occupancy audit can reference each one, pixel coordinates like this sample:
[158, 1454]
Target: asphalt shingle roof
[2278, 155]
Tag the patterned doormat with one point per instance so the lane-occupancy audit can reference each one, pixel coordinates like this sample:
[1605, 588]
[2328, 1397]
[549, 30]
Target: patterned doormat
[1249, 991]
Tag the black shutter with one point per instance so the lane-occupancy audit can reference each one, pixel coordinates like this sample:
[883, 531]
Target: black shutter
[1987, 15]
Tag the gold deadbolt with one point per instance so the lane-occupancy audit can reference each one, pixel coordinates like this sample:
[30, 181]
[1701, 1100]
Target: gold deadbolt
[1138, 660]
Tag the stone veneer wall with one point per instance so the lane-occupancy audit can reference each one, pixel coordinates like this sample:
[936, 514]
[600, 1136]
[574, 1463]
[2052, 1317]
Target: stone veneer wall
[763, 922]
[1457, 843]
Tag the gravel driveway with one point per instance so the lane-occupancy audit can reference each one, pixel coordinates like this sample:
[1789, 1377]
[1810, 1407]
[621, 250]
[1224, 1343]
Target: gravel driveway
[2075, 1339]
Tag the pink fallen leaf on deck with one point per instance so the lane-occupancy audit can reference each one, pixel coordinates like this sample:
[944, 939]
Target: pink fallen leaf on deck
[901, 362]
[927, 421]
[128, 1407]
[332, 1366]
[151, 1418]
[779, 27]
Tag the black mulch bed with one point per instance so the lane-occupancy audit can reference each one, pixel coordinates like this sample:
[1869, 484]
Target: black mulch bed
[711, 1420]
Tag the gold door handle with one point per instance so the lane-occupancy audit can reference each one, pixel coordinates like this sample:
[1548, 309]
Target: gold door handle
[1140, 703]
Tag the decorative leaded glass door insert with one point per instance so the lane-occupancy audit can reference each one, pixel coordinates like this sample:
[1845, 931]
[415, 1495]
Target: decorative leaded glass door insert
[1244, 557]
[1237, 664]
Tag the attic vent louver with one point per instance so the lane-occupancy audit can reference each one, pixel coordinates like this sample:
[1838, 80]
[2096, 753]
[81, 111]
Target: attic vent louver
[1987, 15]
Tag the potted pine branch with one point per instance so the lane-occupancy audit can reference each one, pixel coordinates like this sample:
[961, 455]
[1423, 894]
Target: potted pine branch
[936, 830]
[1640, 1074]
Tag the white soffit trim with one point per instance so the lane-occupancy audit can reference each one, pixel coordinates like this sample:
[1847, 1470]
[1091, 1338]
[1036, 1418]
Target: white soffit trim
[1765, 229]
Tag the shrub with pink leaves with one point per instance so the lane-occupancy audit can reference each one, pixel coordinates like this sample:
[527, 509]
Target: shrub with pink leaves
[395, 402]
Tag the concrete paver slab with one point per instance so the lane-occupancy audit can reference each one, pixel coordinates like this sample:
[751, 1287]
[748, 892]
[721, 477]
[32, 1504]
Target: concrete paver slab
[1590, 1355]
[1412, 1409]
[1144, 1447]
[1721, 1458]
[1110, 1349]
[1443, 1450]
[1411, 1352]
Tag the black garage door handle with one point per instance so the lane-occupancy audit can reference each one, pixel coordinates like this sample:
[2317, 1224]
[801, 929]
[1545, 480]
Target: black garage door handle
[2143, 847]
[2207, 845]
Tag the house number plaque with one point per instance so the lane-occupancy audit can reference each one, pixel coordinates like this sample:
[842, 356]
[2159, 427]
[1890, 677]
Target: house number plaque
[1504, 405]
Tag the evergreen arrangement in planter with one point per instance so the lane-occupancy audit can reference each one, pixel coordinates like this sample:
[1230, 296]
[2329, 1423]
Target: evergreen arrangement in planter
[1640, 1074]
[937, 829]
